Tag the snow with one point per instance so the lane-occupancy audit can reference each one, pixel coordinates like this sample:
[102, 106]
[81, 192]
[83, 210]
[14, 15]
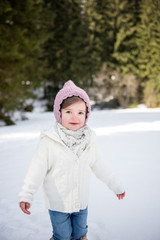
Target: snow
[129, 139]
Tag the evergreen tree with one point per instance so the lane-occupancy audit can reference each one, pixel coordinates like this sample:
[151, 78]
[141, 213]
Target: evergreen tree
[113, 25]
[148, 45]
[20, 54]
[68, 51]
[125, 18]
[101, 19]
[96, 27]
[124, 33]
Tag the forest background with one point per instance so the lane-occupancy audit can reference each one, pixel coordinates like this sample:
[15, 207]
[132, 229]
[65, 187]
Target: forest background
[111, 48]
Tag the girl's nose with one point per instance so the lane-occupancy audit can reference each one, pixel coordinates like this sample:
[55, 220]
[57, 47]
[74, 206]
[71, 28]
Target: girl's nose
[74, 117]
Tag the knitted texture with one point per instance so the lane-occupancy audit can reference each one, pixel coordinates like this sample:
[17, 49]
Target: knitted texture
[69, 89]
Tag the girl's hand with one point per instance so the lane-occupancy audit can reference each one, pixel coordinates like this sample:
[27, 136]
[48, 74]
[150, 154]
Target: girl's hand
[24, 207]
[121, 196]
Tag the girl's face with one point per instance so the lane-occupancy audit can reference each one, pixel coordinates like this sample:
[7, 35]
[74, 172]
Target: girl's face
[74, 116]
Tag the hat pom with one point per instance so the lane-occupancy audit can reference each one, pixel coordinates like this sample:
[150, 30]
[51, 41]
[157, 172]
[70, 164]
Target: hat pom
[69, 83]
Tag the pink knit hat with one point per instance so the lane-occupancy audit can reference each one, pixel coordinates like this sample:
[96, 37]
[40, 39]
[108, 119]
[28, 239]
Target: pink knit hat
[69, 89]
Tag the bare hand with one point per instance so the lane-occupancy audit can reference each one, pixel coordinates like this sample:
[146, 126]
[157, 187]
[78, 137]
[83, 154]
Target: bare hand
[121, 196]
[24, 207]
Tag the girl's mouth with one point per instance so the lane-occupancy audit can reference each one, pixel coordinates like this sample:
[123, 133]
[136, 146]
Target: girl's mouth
[74, 123]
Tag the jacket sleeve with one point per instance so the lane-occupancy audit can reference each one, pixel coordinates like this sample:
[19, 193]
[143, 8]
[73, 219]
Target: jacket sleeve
[103, 171]
[36, 173]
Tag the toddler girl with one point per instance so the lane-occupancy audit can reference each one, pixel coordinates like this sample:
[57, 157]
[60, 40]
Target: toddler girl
[65, 157]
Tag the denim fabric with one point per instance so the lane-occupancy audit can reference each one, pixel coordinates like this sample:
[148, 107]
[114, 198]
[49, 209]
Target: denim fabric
[69, 225]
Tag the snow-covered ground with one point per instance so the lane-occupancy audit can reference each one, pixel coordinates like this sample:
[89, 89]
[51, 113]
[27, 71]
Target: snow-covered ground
[129, 140]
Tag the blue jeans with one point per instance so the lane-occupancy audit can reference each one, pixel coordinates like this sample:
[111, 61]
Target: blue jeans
[68, 226]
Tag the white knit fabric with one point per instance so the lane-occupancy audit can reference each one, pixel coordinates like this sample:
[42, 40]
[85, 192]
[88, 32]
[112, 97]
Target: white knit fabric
[65, 176]
[76, 140]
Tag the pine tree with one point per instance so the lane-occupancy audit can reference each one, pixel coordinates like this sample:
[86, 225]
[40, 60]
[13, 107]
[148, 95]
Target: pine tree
[95, 24]
[20, 54]
[100, 28]
[68, 51]
[124, 32]
[113, 25]
[148, 44]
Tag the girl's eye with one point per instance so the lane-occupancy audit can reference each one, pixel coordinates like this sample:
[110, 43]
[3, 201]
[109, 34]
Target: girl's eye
[68, 112]
[81, 113]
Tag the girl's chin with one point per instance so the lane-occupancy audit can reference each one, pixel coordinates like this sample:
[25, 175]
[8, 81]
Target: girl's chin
[74, 127]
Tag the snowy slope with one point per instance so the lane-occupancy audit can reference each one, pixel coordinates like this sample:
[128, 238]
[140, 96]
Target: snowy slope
[129, 140]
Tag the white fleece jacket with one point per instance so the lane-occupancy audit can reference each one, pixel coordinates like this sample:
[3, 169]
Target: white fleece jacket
[65, 177]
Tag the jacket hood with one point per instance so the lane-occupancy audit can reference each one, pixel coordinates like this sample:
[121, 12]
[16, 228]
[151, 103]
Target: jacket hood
[51, 133]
